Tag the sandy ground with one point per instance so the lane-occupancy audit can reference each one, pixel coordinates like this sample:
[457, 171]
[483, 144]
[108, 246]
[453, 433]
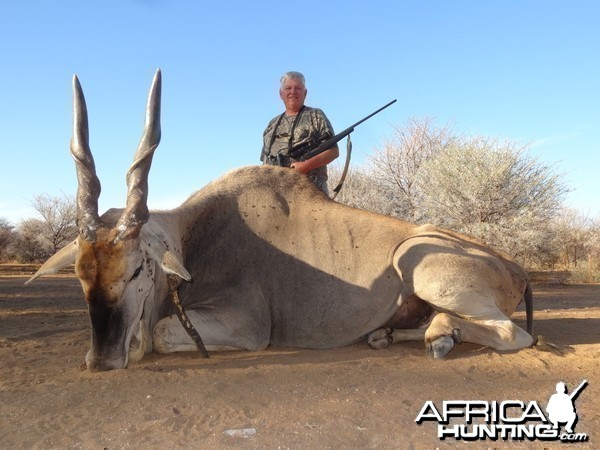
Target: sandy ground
[352, 397]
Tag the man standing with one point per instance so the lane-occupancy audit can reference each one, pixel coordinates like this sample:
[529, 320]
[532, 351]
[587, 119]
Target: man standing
[297, 125]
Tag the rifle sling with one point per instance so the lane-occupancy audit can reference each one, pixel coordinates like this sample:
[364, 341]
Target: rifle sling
[291, 139]
[338, 188]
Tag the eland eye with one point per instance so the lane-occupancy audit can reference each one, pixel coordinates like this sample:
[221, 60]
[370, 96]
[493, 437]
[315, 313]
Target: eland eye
[137, 272]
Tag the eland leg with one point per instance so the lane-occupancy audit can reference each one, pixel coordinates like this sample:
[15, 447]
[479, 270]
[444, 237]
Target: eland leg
[446, 330]
[233, 320]
[496, 331]
[384, 337]
[407, 324]
[472, 289]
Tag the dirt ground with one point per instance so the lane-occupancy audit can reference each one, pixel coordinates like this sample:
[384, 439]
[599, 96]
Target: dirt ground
[352, 397]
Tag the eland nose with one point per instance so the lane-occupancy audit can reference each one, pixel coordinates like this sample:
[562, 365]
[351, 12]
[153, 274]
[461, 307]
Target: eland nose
[104, 364]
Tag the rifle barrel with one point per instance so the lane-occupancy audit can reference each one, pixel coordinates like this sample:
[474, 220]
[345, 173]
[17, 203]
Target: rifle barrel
[372, 114]
[325, 145]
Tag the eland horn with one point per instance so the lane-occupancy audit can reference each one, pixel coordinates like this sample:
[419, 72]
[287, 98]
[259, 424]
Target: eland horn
[88, 185]
[136, 208]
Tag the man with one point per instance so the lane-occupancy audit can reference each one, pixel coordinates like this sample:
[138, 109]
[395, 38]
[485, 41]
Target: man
[299, 124]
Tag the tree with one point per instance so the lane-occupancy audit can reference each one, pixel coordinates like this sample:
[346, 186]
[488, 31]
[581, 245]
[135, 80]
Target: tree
[58, 214]
[494, 191]
[397, 164]
[572, 231]
[38, 238]
[490, 189]
[7, 237]
[30, 245]
[577, 239]
[592, 247]
[362, 190]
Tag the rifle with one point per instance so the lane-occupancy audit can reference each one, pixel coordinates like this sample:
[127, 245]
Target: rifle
[578, 389]
[306, 150]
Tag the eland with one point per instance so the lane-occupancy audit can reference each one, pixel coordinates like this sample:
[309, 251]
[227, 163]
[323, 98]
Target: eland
[262, 257]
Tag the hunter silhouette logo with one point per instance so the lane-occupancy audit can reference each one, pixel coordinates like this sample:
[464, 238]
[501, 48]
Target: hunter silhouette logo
[472, 420]
[561, 407]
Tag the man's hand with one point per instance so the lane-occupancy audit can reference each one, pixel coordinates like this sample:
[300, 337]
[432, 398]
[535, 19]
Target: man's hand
[301, 166]
[317, 161]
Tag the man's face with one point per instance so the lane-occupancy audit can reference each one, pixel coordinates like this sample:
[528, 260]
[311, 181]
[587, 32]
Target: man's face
[293, 94]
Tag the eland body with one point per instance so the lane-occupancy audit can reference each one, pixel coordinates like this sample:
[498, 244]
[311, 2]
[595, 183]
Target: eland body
[263, 257]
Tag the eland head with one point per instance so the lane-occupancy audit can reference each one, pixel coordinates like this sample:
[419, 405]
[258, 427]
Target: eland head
[115, 255]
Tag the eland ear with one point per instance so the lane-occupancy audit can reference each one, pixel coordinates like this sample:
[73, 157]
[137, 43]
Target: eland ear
[61, 259]
[171, 264]
[158, 251]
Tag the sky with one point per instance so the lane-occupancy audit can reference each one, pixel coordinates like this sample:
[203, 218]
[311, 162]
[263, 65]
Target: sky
[526, 71]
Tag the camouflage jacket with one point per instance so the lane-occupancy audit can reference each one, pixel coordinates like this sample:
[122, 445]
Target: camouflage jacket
[312, 124]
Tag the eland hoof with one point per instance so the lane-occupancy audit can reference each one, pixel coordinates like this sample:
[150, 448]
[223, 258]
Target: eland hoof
[380, 339]
[440, 347]
[457, 336]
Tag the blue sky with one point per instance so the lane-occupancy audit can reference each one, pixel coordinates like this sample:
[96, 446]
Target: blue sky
[527, 71]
